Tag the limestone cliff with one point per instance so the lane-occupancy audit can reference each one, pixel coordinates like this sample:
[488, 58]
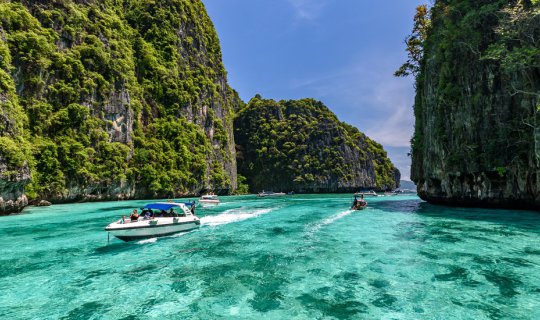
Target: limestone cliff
[14, 154]
[106, 100]
[477, 135]
[301, 146]
[112, 100]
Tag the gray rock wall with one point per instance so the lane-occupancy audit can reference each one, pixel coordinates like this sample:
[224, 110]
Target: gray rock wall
[12, 183]
[476, 139]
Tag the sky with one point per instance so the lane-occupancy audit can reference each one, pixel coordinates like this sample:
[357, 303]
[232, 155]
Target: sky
[341, 52]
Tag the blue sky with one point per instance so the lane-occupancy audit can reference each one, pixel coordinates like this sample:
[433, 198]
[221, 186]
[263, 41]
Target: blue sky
[342, 52]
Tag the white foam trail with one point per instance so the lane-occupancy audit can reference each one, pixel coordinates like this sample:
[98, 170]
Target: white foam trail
[151, 240]
[330, 220]
[181, 234]
[233, 215]
[336, 217]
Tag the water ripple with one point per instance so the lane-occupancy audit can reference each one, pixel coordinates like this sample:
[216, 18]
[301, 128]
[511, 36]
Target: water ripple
[303, 257]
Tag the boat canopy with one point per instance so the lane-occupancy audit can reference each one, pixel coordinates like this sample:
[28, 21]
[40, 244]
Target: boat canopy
[165, 205]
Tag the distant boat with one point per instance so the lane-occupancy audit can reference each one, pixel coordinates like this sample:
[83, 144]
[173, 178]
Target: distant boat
[270, 194]
[401, 191]
[369, 193]
[209, 200]
[168, 218]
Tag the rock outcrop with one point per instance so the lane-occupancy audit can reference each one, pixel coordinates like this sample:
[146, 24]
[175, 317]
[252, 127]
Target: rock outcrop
[301, 146]
[112, 100]
[477, 135]
[108, 100]
[12, 183]
[14, 151]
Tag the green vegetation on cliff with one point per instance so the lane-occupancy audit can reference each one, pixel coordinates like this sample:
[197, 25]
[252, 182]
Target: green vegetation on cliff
[113, 98]
[476, 137]
[129, 99]
[300, 145]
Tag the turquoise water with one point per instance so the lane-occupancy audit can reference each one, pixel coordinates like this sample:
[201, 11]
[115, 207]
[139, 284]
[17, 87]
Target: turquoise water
[301, 257]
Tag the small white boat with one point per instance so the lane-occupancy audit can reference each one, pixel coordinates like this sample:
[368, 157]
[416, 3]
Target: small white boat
[209, 200]
[370, 193]
[161, 219]
[271, 194]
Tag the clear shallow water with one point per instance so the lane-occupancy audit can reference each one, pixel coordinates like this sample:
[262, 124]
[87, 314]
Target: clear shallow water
[301, 257]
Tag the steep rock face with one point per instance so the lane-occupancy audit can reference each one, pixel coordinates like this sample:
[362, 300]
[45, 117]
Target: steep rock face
[113, 100]
[12, 183]
[301, 146]
[14, 170]
[477, 106]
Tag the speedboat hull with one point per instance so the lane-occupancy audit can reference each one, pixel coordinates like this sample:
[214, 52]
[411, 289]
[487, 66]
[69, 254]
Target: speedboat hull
[157, 227]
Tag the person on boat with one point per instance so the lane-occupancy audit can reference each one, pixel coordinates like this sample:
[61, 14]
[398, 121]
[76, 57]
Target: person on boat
[123, 220]
[363, 202]
[148, 214]
[171, 213]
[355, 203]
[192, 207]
[163, 213]
[134, 215]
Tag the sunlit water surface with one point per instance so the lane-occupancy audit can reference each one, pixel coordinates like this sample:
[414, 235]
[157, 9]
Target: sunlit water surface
[301, 257]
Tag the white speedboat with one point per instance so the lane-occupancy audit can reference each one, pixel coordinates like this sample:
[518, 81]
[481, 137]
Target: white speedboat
[158, 219]
[270, 194]
[209, 200]
[370, 193]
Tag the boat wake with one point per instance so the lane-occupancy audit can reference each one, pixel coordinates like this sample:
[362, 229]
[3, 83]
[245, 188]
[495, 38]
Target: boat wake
[151, 240]
[329, 220]
[336, 217]
[233, 215]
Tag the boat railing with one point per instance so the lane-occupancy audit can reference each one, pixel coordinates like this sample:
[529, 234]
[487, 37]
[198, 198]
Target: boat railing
[176, 215]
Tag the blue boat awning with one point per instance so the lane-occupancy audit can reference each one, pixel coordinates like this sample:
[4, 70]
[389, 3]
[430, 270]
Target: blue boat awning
[161, 206]
[165, 206]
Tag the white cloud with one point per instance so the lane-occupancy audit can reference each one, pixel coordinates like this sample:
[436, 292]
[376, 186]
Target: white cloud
[393, 100]
[308, 9]
[376, 102]
[368, 96]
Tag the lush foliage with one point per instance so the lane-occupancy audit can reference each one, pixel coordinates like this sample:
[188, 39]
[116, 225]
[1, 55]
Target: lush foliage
[110, 94]
[415, 42]
[477, 87]
[301, 145]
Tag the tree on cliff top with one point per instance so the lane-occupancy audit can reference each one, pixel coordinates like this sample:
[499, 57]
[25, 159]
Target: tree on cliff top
[415, 42]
